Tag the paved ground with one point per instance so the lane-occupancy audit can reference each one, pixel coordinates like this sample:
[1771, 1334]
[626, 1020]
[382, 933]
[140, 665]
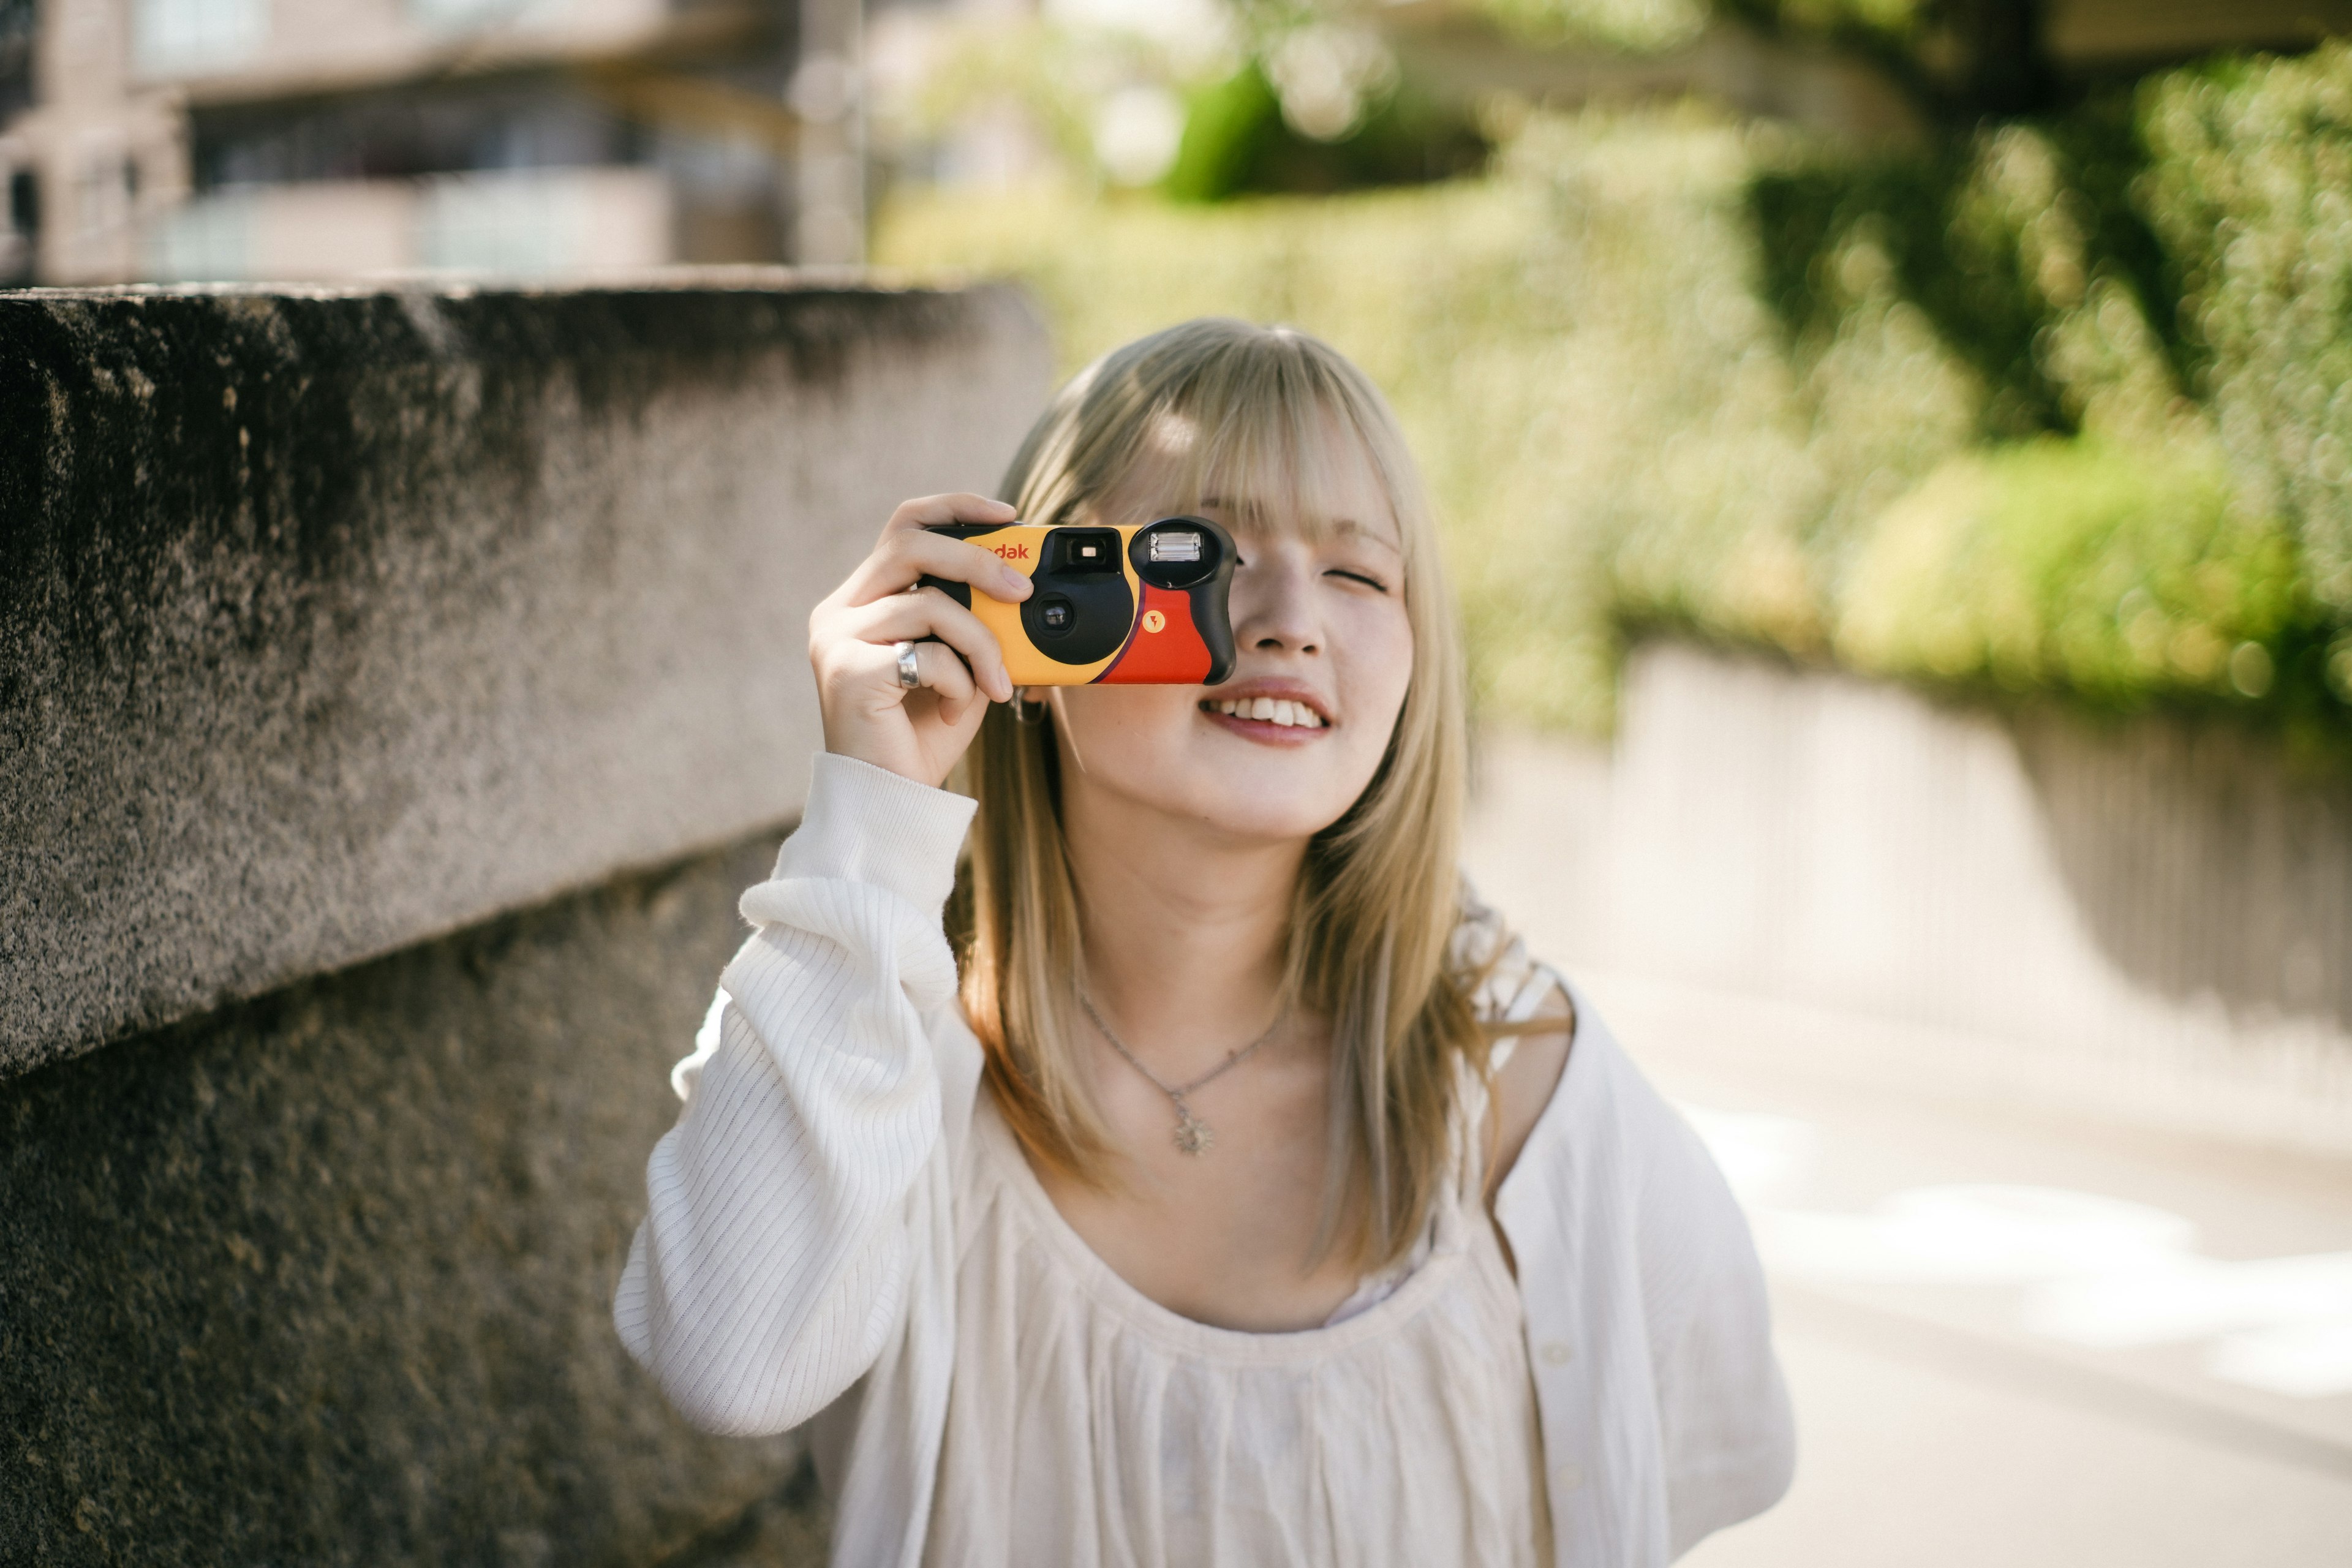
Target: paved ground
[2013, 1337]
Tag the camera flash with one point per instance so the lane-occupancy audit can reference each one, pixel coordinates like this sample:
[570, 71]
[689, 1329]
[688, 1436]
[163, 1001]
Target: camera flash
[1177, 545]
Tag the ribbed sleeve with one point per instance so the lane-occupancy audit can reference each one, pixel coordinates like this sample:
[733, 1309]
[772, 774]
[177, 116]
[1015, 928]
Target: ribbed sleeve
[772, 1265]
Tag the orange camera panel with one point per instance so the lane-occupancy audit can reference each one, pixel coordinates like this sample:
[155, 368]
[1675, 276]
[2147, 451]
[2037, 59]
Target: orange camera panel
[1122, 607]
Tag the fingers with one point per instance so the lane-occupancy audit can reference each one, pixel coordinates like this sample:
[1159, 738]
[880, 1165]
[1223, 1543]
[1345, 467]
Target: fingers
[907, 553]
[941, 672]
[956, 506]
[866, 675]
[910, 617]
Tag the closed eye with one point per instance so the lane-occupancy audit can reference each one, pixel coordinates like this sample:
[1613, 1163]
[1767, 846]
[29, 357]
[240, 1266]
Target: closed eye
[1374, 584]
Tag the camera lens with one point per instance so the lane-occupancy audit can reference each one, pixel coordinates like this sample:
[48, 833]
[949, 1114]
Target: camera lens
[1057, 614]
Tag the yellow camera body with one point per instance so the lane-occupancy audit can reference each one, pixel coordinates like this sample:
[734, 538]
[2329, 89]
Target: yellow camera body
[1120, 607]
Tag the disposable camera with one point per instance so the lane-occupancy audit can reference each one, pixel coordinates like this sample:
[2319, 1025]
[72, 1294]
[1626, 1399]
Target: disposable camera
[1117, 606]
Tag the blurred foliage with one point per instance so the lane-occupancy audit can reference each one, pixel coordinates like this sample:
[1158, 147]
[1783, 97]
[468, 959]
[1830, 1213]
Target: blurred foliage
[1896, 18]
[2250, 187]
[2062, 407]
[1058, 76]
[2108, 572]
[1957, 60]
[1620, 23]
[1238, 142]
[1997, 237]
[1649, 25]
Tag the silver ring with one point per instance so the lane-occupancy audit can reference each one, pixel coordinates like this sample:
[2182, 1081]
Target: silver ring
[910, 674]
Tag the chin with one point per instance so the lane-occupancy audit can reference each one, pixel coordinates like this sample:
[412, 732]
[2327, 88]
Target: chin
[1262, 820]
[1159, 750]
[1249, 791]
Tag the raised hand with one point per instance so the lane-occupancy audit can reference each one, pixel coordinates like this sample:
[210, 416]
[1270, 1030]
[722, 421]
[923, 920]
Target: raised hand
[917, 733]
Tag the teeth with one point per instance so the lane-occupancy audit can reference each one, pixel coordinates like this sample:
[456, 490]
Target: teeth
[1273, 711]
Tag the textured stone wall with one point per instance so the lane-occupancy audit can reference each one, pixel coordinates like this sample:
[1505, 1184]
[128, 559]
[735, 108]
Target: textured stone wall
[325, 1277]
[330, 623]
[396, 692]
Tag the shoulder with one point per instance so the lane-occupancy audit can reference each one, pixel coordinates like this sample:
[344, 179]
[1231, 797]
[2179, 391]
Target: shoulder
[1529, 1015]
[1568, 1099]
[1534, 1057]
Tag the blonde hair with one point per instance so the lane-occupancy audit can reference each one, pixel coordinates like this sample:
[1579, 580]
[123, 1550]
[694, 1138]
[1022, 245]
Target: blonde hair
[1249, 414]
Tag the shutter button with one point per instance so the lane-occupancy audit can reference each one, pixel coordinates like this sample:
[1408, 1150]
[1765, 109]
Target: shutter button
[1555, 1353]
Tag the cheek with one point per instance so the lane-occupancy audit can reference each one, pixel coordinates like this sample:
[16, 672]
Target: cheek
[1119, 729]
[1376, 670]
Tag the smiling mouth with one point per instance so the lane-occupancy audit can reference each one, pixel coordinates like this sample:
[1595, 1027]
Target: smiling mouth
[1277, 710]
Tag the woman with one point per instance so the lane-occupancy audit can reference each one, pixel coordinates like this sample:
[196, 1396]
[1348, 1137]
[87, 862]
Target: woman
[1253, 1198]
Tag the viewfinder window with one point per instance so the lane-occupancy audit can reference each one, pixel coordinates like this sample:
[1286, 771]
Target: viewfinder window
[1082, 549]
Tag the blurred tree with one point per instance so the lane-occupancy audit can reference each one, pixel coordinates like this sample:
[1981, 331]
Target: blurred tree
[1961, 59]
[2252, 190]
[1995, 234]
[1239, 139]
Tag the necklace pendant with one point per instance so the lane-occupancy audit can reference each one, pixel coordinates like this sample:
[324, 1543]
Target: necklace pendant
[1193, 1136]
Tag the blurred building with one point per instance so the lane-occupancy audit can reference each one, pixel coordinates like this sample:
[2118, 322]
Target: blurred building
[330, 140]
[1961, 59]
[337, 139]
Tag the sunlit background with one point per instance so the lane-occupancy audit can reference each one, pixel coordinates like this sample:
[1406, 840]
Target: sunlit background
[1988, 343]
[1989, 357]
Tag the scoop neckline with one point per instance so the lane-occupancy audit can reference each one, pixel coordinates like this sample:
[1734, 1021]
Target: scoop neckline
[1190, 1336]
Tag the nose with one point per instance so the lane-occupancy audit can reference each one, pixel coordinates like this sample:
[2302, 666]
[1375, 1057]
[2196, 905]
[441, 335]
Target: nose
[1273, 601]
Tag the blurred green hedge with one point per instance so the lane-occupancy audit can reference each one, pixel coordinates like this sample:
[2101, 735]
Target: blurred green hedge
[2053, 407]
[1237, 142]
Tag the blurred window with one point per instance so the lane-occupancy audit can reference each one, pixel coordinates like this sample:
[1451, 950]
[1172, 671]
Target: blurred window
[177, 35]
[460, 15]
[20, 238]
[207, 240]
[16, 18]
[525, 225]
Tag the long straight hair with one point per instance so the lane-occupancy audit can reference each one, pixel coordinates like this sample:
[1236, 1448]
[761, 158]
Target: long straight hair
[1260, 419]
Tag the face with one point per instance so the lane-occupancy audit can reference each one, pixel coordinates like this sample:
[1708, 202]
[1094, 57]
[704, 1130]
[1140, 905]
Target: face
[1324, 653]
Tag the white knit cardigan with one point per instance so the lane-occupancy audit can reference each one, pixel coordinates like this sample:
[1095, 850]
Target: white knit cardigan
[797, 1259]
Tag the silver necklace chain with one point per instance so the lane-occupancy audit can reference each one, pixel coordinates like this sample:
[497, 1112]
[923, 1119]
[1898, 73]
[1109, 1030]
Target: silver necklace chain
[1193, 1136]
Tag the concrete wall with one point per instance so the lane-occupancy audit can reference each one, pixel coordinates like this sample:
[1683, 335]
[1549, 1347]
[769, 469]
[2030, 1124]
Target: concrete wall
[2149, 922]
[328, 623]
[326, 1277]
[395, 691]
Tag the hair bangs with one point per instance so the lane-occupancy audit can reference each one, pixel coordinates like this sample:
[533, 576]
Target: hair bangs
[1281, 445]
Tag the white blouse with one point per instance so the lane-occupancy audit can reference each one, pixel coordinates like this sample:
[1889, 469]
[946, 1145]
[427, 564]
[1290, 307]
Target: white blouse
[808, 1247]
[1090, 1427]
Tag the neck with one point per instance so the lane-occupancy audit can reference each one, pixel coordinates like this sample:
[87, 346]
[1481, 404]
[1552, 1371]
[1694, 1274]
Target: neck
[1185, 930]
